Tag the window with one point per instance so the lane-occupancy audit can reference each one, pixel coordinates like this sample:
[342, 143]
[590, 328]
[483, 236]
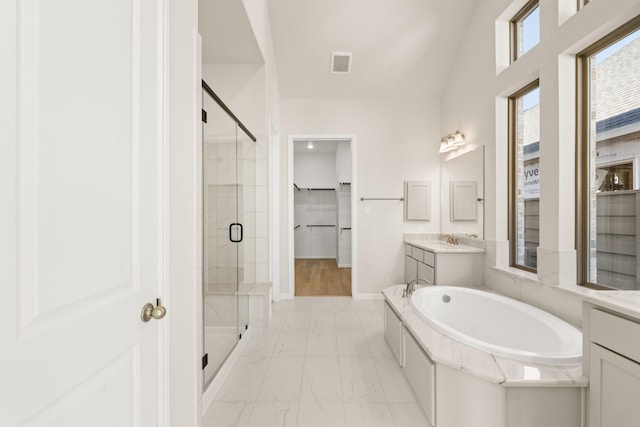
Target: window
[524, 176]
[609, 148]
[525, 30]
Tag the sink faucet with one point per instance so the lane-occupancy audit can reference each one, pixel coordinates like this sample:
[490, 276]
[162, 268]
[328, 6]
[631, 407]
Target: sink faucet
[411, 286]
[451, 239]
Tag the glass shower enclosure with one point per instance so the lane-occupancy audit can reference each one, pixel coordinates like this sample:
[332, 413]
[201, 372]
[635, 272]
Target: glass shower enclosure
[227, 148]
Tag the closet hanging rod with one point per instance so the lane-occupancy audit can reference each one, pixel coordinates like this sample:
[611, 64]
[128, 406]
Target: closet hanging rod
[319, 189]
[296, 227]
[344, 183]
[320, 225]
[345, 228]
[222, 105]
[362, 199]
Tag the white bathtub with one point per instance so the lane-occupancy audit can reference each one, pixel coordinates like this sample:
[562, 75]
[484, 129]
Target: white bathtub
[499, 325]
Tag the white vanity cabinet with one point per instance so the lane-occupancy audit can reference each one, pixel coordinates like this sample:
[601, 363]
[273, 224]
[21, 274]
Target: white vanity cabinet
[420, 370]
[614, 370]
[457, 265]
[419, 263]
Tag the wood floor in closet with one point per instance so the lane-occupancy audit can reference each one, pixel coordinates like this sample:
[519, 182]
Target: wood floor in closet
[321, 277]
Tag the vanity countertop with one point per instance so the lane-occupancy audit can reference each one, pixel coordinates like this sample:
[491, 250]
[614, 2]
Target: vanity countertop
[495, 369]
[624, 302]
[438, 246]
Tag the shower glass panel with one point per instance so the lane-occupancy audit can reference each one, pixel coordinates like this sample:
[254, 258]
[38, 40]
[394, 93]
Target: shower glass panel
[220, 254]
[229, 230]
[247, 217]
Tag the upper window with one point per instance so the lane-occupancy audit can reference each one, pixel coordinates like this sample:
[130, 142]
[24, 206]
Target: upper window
[524, 174]
[525, 30]
[609, 149]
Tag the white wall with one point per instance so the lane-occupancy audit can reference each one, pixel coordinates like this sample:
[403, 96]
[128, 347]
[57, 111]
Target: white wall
[242, 87]
[183, 346]
[396, 140]
[314, 170]
[475, 101]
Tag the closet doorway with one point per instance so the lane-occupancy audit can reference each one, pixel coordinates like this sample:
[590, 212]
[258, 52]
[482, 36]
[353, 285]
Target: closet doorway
[321, 187]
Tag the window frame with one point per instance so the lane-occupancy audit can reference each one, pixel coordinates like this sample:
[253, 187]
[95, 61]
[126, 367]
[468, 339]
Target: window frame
[583, 178]
[512, 174]
[513, 26]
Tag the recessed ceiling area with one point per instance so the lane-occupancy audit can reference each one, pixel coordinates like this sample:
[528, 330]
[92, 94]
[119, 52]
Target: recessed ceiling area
[400, 47]
[227, 36]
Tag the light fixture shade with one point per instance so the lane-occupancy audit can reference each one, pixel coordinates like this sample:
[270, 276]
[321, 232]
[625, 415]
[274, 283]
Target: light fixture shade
[310, 145]
[445, 145]
[458, 139]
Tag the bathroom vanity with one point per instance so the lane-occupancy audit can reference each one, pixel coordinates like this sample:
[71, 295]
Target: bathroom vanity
[443, 264]
[612, 357]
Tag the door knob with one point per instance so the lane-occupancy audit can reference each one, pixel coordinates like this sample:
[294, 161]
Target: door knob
[149, 311]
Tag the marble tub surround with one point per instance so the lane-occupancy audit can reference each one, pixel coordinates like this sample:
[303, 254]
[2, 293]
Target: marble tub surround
[563, 300]
[497, 370]
[435, 243]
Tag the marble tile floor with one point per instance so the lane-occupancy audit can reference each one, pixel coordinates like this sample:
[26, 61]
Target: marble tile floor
[323, 362]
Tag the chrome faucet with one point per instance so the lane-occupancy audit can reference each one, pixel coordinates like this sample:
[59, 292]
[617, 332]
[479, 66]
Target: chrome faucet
[411, 286]
[451, 239]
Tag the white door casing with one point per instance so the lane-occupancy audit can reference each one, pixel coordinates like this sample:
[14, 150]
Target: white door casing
[81, 218]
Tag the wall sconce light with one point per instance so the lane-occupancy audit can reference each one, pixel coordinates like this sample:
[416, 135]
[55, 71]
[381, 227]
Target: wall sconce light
[451, 142]
[445, 145]
[458, 139]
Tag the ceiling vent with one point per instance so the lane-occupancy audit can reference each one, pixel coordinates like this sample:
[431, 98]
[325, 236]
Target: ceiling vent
[341, 62]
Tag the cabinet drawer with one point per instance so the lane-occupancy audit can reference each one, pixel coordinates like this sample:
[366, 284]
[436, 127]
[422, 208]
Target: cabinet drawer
[429, 258]
[615, 333]
[410, 269]
[407, 249]
[417, 253]
[426, 272]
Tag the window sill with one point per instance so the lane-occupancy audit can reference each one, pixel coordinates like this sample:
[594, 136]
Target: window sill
[517, 273]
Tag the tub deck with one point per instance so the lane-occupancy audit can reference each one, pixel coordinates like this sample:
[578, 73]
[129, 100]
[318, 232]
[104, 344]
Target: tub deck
[487, 366]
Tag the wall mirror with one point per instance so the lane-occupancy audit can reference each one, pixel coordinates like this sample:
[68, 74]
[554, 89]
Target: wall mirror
[462, 194]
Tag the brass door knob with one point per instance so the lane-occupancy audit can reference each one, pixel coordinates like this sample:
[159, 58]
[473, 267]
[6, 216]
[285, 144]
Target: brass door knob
[149, 311]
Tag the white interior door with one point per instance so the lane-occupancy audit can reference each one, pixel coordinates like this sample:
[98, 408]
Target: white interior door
[81, 211]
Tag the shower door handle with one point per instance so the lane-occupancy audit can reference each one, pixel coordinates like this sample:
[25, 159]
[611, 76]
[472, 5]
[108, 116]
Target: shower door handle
[233, 224]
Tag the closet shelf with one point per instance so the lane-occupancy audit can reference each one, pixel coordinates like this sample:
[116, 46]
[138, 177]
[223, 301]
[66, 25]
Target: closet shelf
[320, 225]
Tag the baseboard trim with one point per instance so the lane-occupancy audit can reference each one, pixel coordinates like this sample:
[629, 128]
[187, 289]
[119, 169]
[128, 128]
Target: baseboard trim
[373, 296]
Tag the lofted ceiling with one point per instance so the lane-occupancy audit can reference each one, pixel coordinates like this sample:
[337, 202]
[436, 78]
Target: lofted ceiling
[227, 36]
[400, 47]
